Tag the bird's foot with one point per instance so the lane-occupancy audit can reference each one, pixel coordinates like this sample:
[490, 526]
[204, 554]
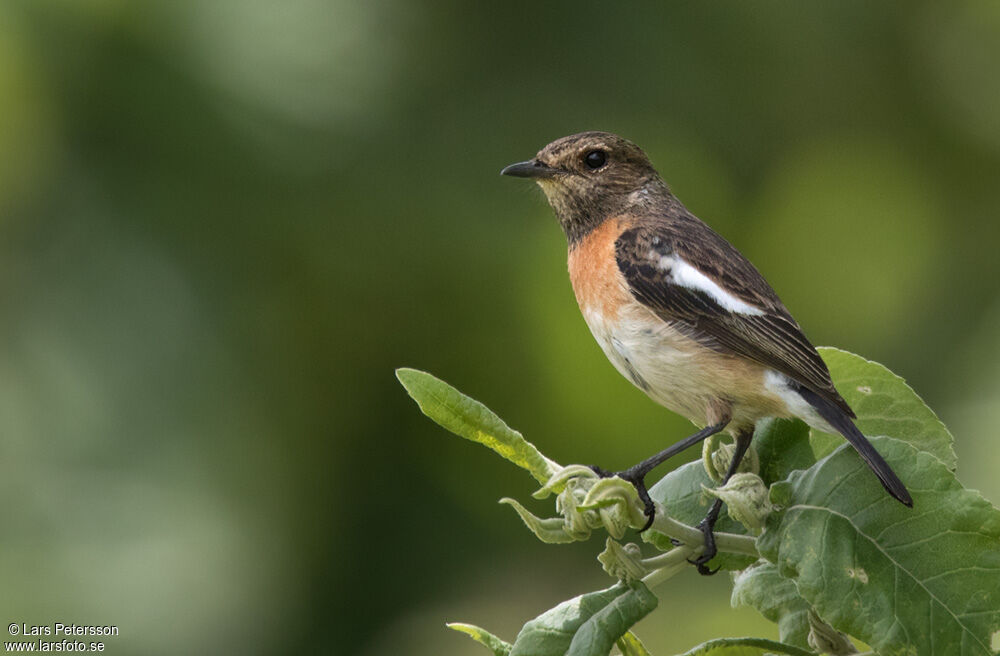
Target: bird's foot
[637, 477]
[701, 562]
[602, 472]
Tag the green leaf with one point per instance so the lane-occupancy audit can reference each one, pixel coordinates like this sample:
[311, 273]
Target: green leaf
[550, 530]
[472, 420]
[629, 645]
[681, 494]
[776, 598]
[924, 580]
[483, 637]
[885, 405]
[587, 625]
[746, 647]
[598, 634]
[782, 446]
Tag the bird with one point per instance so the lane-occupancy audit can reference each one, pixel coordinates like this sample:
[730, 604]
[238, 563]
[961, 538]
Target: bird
[681, 313]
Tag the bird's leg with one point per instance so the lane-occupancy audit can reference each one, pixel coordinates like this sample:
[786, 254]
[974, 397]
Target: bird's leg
[636, 475]
[708, 524]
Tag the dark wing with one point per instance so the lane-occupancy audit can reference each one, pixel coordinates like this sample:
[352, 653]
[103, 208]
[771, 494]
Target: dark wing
[755, 325]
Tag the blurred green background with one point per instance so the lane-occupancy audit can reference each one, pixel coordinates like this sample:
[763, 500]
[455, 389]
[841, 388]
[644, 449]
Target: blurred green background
[224, 223]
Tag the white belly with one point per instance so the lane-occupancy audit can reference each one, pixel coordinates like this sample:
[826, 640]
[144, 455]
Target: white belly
[685, 376]
[658, 359]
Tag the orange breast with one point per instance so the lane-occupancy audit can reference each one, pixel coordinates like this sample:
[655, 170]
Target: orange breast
[597, 282]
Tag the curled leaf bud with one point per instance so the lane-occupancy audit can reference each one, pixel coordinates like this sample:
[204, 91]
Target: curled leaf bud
[557, 482]
[578, 521]
[717, 456]
[825, 639]
[622, 561]
[549, 530]
[708, 448]
[746, 499]
[617, 504]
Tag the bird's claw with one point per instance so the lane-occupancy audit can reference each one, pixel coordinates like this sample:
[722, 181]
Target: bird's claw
[703, 569]
[701, 562]
[601, 471]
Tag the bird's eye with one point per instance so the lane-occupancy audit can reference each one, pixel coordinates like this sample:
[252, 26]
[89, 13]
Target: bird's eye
[595, 159]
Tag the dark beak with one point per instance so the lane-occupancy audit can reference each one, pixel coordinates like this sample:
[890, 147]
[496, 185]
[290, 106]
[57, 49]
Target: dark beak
[530, 169]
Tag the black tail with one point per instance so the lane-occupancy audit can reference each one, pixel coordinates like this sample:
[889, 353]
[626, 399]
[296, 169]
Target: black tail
[839, 420]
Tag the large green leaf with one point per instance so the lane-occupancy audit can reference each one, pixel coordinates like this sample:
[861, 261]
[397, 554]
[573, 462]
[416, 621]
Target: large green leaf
[885, 405]
[472, 420]
[782, 446]
[746, 647]
[587, 625]
[924, 580]
[776, 598]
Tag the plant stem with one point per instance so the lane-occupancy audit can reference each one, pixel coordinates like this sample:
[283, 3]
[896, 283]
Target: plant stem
[667, 565]
[693, 538]
[675, 555]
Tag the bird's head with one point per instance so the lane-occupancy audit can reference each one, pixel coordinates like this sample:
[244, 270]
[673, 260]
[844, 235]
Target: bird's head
[589, 177]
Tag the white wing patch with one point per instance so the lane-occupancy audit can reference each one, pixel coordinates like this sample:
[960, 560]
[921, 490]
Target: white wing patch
[685, 275]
